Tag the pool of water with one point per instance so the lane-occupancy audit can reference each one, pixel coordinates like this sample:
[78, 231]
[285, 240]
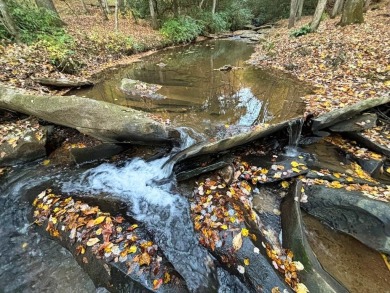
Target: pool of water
[200, 96]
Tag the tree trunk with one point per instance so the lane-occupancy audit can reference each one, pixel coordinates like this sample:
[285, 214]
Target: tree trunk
[300, 8]
[201, 4]
[7, 21]
[85, 7]
[122, 6]
[106, 7]
[116, 15]
[338, 6]
[214, 7]
[48, 5]
[104, 12]
[153, 15]
[317, 15]
[352, 12]
[175, 8]
[366, 5]
[293, 13]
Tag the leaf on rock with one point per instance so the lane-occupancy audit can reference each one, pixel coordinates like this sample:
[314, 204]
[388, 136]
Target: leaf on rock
[237, 241]
[93, 241]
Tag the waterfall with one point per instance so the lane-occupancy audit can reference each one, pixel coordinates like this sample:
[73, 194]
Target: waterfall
[294, 134]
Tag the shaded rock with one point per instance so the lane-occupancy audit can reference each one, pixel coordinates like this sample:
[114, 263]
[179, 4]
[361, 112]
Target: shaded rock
[371, 166]
[104, 121]
[330, 177]
[333, 117]
[76, 154]
[358, 123]
[196, 172]
[351, 212]
[366, 142]
[313, 276]
[136, 89]
[23, 145]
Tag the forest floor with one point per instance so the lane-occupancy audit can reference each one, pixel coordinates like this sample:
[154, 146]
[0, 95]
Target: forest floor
[344, 64]
[95, 46]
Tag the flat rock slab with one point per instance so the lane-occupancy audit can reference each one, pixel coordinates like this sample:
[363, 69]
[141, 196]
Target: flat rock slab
[333, 117]
[351, 212]
[121, 257]
[358, 123]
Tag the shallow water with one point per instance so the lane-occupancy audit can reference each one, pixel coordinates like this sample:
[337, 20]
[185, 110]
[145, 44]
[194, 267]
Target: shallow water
[201, 97]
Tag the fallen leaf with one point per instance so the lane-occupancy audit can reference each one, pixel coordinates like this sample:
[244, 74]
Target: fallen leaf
[92, 241]
[237, 241]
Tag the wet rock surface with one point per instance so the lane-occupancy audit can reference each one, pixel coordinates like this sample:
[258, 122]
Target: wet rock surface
[353, 213]
[22, 142]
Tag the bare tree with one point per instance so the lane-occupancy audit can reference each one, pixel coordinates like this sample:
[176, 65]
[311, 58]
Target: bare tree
[104, 12]
[317, 15]
[352, 12]
[293, 13]
[153, 14]
[7, 21]
[300, 8]
[214, 7]
[84, 6]
[366, 5]
[48, 5]
[337, 8]
[116, 15]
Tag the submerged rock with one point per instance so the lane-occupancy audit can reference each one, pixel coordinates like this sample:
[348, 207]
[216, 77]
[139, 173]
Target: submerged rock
[136, 89]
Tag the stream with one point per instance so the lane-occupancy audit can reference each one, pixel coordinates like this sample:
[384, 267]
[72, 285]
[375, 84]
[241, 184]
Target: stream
[205, 102]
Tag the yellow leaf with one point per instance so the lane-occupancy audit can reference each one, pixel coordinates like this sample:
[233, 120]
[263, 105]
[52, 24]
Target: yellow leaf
[46, 162]
[336, 184]
[388, 170]
[224, 227]
[296, 170]
[244, 232]
[285, 184]
[167, 277]
[132, 249]
[349, 179]
[157, 284]
[237, 241]
[337, 175]
[294, 164]
[246, 261]
[92, 241]
[99, 220]
[301, 288]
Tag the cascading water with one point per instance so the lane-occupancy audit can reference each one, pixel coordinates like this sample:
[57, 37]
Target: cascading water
[294, 133]
[164, 213]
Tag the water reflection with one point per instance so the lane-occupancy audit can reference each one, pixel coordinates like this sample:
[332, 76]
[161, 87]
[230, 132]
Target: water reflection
[199, 95]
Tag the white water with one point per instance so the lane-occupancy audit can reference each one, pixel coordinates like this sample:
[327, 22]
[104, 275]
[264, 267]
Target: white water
[148, 191]
[294, 134]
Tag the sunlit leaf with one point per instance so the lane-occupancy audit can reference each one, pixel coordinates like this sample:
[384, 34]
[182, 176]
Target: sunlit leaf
[237, 241]
[93, 241]
[246, 261]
